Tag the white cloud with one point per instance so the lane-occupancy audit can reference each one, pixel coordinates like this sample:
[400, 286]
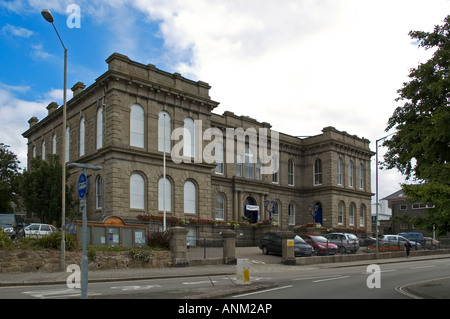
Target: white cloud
[16, 31]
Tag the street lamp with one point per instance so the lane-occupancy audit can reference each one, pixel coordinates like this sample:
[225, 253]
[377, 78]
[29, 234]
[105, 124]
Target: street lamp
[48, 17]
[376, 191]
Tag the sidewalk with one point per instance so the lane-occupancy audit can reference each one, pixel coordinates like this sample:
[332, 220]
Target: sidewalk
[433, 289]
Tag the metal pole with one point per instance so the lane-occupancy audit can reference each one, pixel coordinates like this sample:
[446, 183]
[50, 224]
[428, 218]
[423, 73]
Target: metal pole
[376, 199]
[63, 204]
[164, 173]
[84, 260]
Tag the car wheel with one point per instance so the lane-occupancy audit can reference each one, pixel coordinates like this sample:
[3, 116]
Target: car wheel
[265, 250]
[342, 250]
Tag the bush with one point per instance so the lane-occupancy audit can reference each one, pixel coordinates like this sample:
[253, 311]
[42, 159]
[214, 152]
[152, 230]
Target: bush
[5, 240]
[159, 240]
[54, 241]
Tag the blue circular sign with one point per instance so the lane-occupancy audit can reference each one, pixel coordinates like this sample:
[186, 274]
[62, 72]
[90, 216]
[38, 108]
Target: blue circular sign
[82, 186]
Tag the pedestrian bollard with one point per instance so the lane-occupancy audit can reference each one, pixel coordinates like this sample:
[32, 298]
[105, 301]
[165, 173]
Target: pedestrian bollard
[242, 272]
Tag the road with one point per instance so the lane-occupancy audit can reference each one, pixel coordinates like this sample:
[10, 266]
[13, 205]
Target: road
[283, 282]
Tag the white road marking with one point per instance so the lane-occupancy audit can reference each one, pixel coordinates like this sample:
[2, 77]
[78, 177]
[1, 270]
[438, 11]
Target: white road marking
[262, 291]
[334, 278]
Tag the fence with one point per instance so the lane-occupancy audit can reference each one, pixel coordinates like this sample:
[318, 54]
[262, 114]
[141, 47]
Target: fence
[205, 248]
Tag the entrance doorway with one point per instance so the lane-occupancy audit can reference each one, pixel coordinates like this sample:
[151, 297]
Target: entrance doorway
[251, 210]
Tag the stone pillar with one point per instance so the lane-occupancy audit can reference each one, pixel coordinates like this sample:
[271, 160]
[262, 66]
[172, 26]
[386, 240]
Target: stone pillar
[178, 246]
[287, 248]
[229, 246]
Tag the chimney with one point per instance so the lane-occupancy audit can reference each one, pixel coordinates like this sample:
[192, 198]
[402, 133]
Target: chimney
[52, 107]
[78, 88]
[33, 121]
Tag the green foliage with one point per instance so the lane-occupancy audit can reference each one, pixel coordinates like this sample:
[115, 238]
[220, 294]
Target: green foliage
[9, 180]
[41, 190]
[5, 240]
[159, 240]
[420, 147]
[144, 255]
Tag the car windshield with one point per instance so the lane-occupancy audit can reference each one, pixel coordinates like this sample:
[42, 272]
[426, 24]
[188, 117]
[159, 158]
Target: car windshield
[6, 219]
[319, 239]
[351, 236]
[299, 240]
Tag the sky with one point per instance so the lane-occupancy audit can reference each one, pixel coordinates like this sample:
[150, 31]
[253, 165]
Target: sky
[300, 65]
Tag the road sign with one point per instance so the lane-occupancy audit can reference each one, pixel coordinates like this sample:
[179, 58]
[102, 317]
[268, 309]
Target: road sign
[82, 186]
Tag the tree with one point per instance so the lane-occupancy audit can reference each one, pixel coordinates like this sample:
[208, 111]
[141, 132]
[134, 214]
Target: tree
[420, 147]
[9, 180]
[41, 190]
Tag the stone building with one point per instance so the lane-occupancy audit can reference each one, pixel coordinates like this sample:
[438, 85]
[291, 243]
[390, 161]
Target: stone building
[134, 115]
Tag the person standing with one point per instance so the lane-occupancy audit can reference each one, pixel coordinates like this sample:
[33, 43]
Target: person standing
[408, 247]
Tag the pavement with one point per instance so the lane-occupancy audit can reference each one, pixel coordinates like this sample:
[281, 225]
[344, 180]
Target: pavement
[259, 265]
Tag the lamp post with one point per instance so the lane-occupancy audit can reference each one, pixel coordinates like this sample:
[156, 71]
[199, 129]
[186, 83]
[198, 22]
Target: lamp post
[376, 191]
[48, 17]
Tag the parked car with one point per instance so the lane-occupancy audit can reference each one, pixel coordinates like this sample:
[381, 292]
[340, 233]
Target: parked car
[417, 237]
[431, 243]
[321, 245]
[11, 225]
[397, 240]
[272, 243]
[39, 230]
[367, 241]
[344, 241]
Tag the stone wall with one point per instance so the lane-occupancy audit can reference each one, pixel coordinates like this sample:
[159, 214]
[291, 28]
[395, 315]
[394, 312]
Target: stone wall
[48, 260]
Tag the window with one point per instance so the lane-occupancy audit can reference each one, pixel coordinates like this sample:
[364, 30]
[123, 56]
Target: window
[403, 207]
[100, 128]
[220, 207]
[239, 165]
[361, 176]
[318, 171]
[67, 143]
[82, 136]
[340, 167]
[137, 186]
[350, 174]
[362, 215]
[275, 169]
[137, 126]
[43, 150]
[352, 214]
[341, 209]
[34, 151]
[291, 216]
[291, 172]
[189, 138]
[167, 194]
[54, 144]
[258, 170]
[275, 211]
[249, 171]
[99, 192]
[190, 195]
[219, 158]
[164, 132]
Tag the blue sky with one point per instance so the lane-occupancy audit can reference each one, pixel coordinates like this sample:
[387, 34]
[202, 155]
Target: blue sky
[299, 64]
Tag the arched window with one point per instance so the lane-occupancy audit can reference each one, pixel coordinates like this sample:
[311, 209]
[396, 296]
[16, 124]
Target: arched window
[340, 168]
[189, 138]
[220, 207]
[341, 212]
[291, 216]
[99, 192]
[275, 211]
[190, 198]
[54, 144]
[362, 215]
[43, 150]
[137, 126]
[137, 191]
[249, 166]
[164, 195]
[361, 176]
[351, 214]
[100, 128]
[82, 136]
[219, 158]
[350, 174]
[318, 171]
[164, 131]
[291, 172]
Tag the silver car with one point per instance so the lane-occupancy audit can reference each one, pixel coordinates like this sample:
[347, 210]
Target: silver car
[346, 242]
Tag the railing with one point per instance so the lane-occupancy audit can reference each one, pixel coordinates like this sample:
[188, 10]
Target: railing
[205, 248]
